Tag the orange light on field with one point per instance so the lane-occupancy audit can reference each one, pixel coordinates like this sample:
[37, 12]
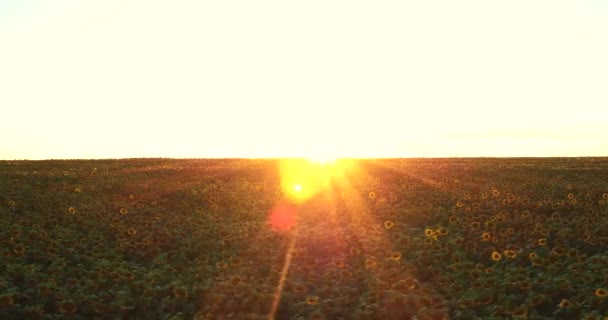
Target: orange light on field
[302, 179]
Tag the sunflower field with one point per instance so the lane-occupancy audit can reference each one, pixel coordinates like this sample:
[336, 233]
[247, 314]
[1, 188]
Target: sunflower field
[457, 238]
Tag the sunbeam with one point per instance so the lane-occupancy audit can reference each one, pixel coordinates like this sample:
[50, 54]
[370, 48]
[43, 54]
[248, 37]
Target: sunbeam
[284, 271]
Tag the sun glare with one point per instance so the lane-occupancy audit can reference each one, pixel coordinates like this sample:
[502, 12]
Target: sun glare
[302, 179]
[325, 149]
[323, 159]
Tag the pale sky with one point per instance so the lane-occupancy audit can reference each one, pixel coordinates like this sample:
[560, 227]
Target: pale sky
[146, 78]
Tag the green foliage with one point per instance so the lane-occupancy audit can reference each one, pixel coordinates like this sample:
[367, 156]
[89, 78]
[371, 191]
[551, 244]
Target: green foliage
[185, 239]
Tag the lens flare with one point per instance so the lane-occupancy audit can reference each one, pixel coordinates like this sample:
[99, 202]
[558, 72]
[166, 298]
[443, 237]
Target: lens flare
[282, 217]
[302, 179]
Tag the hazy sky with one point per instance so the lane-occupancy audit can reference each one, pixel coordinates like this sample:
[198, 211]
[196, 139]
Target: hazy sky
[146, 78]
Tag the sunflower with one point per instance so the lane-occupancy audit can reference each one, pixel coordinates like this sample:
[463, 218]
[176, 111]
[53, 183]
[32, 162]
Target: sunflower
[312, 300]
[564, 285]
[466, 303]
[180, 292]
[442, 231]
[500, 217]
[131, 231]
[123, 211]
[19, 250]
[370, 263]
[485, 298]
[71, 210]
[43, 289]
[509, 253]
[372, 195]
[409, 283]
[299, 288]
[536, 300]
[345, 273]
[539, 262]
[486, 236]
[558, 251]
[77, 190]
[520, 312]
[564, 304]
[573, 253]
[429, 232]
[496, 256]
[235, 261]
[115, 276]
[396, 256]
[11, 203]
[389, 224]
[542, 242]
[601, 292]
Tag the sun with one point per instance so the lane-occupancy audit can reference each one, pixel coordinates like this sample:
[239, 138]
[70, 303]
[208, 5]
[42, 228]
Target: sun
[324, 154]
[303, 178]
[323, 159]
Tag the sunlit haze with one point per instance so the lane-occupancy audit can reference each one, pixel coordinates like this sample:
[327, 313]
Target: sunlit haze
[318, 79]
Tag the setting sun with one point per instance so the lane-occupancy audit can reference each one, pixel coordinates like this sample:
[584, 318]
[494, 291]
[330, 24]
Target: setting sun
[323, 159]
[326, 159]
[303, 178]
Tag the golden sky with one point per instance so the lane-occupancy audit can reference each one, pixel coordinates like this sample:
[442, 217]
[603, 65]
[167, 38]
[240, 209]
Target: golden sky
[146, 78]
